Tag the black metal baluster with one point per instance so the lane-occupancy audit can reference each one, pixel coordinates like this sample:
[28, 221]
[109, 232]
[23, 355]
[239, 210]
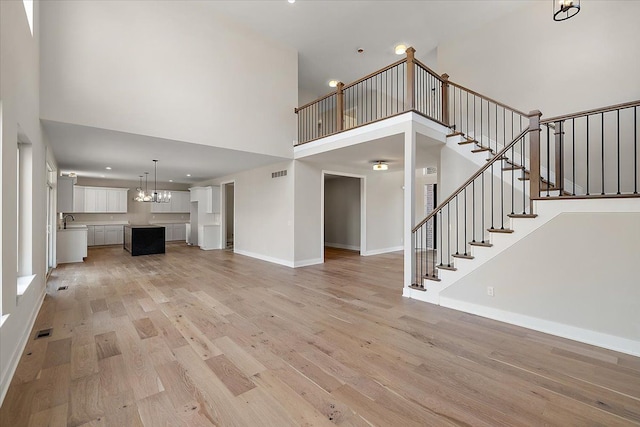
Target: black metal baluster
[602, 149]
[449, 234]
[457, 228]
[587, 155]
[482, 201]
[440, 249]
[513, 177]
[465, 220]
[573, 145]
[618, 113]
[473, 210]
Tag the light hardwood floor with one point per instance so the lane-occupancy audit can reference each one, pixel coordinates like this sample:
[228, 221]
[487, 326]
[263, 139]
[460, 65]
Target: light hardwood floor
[201, 338]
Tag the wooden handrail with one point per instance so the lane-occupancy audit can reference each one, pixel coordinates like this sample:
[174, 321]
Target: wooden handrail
[388, 67]
[315, 101]
[486, 98]
[470, 180]
[428, 70]
[591, 112]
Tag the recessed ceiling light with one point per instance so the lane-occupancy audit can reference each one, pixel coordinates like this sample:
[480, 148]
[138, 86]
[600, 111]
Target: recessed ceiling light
[101, 176]
[291, 1]
[360, 50]
[108, 168]
[188, 174]
[333, 83]
[400, 49]
[170, 180]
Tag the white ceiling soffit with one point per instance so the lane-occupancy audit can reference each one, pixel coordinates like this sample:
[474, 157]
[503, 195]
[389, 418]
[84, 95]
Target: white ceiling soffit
[88, 151]
[327, 34]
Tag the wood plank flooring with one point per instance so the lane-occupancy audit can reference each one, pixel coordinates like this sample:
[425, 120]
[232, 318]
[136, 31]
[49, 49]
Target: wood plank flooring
[210, 338]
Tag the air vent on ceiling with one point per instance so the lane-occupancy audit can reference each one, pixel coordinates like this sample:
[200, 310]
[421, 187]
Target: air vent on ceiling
[279, 174]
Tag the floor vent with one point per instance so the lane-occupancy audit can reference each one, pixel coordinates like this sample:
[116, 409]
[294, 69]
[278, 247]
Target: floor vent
[279, 174]
[63, 288]
[44, 333]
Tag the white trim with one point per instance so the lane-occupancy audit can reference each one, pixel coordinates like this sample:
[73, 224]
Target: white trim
[341, 246]
[7, 375]
[307, 262]
[261, 257]
[383, 251]
[223, 212]
[23, 284]
[363, 209]
[611, 342]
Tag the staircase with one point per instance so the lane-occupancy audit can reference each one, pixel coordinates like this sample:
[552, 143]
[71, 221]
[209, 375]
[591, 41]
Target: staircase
[522, 160]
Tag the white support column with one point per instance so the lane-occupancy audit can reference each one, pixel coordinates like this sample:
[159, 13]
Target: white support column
[409, 205]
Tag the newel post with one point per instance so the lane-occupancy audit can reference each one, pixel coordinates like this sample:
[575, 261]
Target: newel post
[534, 157]
[445, 99]
[410, 102]
[340, 106]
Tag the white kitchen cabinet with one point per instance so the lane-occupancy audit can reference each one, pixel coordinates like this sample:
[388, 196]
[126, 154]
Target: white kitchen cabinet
[78, 198]
[105, 200]
[113, 235]
[90, 235]
[71, 245]
[213, 199]
[98, 235]
[209, 237]
[65, 194]
[168, 232]
[180, 232]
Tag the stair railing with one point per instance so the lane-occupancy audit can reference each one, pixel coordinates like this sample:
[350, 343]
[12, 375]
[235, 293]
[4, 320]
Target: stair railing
[483, 120]
[479, 206]
[591, 154]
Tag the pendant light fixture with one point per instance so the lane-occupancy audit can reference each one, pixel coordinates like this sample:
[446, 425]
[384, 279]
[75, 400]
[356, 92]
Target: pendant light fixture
[565, 9]
[155, 197]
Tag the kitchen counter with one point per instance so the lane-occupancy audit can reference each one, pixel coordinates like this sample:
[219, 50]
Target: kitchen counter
[71, 244]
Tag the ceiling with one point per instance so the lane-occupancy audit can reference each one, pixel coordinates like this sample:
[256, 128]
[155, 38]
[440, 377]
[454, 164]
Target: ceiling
[326, 35]
[88, 151]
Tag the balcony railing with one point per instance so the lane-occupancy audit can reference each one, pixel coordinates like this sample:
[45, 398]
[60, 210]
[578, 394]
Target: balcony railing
[406, 85]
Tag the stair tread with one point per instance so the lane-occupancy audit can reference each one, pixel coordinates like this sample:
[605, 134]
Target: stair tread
[482, 244]
[432, 278]
[468, 141]
[418, 288]
[481, 149]
[512, 167]
[499, 230]
[522, 215]
[455, 134]
[463, 256]
[446, 267]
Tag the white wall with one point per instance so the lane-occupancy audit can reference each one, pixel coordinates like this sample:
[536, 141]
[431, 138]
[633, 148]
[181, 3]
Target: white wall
[528, 61]
[170, 69]
[263, 213]
[575, 276]
[19, 105]
[342, 212]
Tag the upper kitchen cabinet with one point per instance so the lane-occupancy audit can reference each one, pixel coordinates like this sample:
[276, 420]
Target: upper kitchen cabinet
[210, 196]
[105, 200]
[65, 193]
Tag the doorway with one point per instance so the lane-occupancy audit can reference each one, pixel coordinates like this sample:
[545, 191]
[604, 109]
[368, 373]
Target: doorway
[343, 221]
[229, 215]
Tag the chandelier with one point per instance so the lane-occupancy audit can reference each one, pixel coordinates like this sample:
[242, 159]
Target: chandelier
[565, 9]
[155, 197]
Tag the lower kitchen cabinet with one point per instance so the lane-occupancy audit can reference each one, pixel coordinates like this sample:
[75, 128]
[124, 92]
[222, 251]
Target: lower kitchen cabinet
[98, 235]
[175, 232]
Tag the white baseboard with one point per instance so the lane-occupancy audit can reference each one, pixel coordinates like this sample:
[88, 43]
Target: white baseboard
[341, 246]
[383, 251]
[308, 262]
[7, 375]
[261, 257]
[611, 342]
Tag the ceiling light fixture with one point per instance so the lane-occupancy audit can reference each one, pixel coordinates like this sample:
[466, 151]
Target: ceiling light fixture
[333, 83]
[565, 9]
[108, 168]
[380, 165]
[291, 1]
[400, 49]
[189, 174]
[155, 197]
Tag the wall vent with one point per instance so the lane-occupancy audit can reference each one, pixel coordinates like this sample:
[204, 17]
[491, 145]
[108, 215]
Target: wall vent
[279, 174]
[63, 288]
[43, 333]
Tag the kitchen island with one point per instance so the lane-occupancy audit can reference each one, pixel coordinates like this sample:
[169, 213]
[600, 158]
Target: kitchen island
[144, 239]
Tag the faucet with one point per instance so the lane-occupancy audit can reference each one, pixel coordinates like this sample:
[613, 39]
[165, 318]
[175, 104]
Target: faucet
[65, 219]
